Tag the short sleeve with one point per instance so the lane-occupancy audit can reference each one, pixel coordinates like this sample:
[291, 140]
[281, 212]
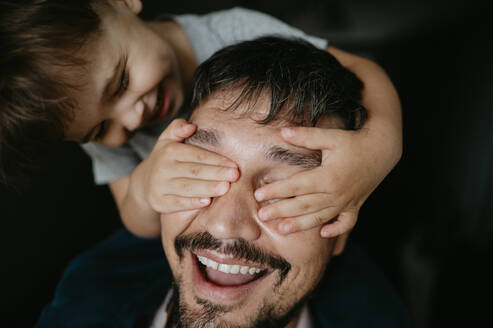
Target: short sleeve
[240, 24]
[110, 164]
[216, 30]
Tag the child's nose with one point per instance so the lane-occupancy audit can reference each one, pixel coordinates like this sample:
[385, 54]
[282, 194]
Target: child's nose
[132, 117]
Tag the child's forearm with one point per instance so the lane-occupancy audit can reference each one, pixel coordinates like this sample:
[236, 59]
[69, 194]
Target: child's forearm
[384, 124]
[137, 216]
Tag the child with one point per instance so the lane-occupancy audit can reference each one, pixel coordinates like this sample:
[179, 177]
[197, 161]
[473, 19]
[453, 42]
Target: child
[92, 71]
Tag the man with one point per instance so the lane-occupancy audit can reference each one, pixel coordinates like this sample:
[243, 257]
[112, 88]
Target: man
[231, 269]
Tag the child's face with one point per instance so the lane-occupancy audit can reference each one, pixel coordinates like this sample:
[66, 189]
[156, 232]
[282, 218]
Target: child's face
[133, 79]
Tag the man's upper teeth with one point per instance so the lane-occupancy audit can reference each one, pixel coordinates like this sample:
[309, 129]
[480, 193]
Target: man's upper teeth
[228, 268]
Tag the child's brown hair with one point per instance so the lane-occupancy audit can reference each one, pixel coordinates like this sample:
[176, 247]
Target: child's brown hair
[40, 43]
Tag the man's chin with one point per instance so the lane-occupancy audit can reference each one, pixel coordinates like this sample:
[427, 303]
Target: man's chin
[206, 304]
[191, 311]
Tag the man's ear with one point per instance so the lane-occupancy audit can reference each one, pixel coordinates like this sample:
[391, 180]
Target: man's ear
[134, 5]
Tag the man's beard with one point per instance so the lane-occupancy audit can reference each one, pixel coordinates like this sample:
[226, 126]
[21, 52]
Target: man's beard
[271, 315]
[267, 316]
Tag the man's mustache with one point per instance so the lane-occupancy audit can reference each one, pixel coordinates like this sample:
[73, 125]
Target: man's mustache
[238, 248]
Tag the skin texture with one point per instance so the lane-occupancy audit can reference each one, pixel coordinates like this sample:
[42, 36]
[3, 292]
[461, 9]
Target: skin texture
[234, 216]
[353, 165]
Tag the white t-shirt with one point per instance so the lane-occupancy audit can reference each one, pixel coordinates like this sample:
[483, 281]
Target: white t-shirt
[207, 34]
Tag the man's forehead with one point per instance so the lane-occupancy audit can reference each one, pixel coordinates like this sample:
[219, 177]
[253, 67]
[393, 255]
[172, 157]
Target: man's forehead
[229, 103]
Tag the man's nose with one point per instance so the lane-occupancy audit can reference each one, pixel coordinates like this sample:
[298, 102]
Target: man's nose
[132, 116]
[233, 215]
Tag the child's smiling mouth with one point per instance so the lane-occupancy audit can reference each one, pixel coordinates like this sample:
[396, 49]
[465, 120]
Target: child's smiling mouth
[162, 106]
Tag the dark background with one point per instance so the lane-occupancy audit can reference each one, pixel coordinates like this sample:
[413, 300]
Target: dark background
[429, 225]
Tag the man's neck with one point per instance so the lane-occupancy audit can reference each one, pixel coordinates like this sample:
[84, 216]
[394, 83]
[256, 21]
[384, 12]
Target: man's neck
[292, 324]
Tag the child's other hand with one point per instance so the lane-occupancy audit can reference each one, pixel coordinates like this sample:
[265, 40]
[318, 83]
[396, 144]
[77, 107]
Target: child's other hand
[331, 194]
[179, 176]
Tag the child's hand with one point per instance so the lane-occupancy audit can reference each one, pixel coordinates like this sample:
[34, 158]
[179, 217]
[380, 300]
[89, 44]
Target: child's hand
[331, 194]
[179, 176]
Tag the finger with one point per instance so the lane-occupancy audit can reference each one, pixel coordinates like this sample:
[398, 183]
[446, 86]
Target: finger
[340, 244]
[302, 183]
[177, 130]
[194, 154]
[305, 222]
[206, 172]
[304, 204]
[171, 203]
[345, 222]
[196, 188]
[314, 138]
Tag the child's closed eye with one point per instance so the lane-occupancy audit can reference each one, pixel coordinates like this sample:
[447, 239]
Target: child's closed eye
[123, 85]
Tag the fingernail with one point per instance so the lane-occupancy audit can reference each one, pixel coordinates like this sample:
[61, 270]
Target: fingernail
[259, 195]
[287, 132]
[222, 187]
[325, 234]
[205, 201]
[232, 174]
[286, 227]
[264, 214]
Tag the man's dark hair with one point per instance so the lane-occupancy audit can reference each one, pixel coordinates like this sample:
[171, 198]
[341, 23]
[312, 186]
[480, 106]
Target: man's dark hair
[39, 42]
[304, 83]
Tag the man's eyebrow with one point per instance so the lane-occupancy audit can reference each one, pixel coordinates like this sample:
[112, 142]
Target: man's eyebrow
[205, 137]
[308, 160]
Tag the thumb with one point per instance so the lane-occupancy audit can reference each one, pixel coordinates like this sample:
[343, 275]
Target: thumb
[340, 244]
[178, 130]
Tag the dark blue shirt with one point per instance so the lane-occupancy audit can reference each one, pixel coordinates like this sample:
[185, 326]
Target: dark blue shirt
[121, 283]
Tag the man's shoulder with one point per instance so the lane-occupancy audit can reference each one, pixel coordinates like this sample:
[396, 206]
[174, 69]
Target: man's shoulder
[355, 293]
[121, 280]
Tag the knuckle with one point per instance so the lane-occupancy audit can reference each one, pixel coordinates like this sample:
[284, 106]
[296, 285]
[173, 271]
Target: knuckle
[318, 220]
[185, 186]
[181, 203]
[200, 156]
[195, 171]
[305, 207]
[295, 188]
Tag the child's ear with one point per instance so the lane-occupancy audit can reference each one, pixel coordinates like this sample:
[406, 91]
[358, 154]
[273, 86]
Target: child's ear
[134, 5]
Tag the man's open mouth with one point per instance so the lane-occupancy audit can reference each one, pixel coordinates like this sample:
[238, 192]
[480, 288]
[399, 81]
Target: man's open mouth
[223, 274]
[226, 281]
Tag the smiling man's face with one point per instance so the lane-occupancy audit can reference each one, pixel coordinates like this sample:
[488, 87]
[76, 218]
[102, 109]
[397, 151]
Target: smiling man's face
[230, 268]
